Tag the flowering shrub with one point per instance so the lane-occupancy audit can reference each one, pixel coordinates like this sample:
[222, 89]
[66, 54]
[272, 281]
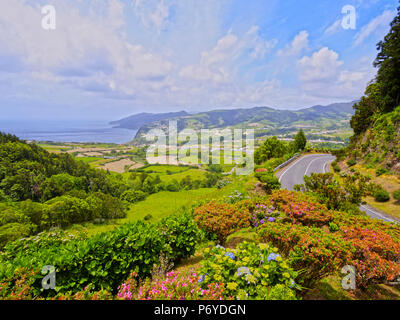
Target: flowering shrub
[249, 272]
[103, 260]
[264, 214]
[19, 286]
[86, 294]
[221, 219]
[173, 287]
[300, 208]
[311, 250]
[376, 255]
[235, 196]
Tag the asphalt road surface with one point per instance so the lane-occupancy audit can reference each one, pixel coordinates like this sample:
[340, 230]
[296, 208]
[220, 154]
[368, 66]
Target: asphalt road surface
[319, 163]
[293, 174]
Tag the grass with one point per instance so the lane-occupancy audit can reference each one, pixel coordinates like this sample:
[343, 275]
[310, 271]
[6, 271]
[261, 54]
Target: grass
[195, 174]
[390, 183]
[162, 169]
[163, 204]
[88, 159]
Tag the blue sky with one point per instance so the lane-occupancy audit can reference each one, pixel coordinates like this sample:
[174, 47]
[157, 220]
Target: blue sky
[111, 58]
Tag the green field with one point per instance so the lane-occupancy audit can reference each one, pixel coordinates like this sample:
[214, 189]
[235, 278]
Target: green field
[162, 169]
[88, 159]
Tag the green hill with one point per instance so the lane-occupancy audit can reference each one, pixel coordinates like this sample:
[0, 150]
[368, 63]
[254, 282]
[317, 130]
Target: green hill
[376, 123]
[266, 121]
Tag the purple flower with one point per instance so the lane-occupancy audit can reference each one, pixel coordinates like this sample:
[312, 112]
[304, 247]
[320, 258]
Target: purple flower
[271, 219]
[262, 221]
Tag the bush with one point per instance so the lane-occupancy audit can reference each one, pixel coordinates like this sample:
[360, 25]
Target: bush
[351, 162]
[181, 234]
[396, 195]
[103, 260]
[133, 196]
[271, 182]
[221, 219]
[309, 250]
[174, 286]
[336, 167]
[249, 272]
[382, 196]
[381, 171]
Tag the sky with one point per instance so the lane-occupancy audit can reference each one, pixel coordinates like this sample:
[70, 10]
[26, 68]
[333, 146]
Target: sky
[107, 59]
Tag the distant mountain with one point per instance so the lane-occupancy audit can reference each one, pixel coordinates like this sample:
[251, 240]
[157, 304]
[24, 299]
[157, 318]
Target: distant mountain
[138, 120]
[265, 120]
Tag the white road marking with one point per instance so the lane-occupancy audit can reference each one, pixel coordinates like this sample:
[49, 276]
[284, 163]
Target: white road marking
[378, 214]
[309, 166]
[293, 164]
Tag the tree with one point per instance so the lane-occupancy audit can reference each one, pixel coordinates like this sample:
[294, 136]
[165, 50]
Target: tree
[300, 141]
[388, 61]
[271, 148]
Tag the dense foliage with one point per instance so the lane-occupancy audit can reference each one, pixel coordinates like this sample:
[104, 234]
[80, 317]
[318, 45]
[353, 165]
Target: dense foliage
[104, 260]
[221, 219]
[249, 272]
[376, 120]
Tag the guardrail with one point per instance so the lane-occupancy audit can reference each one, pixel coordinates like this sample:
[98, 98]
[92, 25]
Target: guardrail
[287, 162]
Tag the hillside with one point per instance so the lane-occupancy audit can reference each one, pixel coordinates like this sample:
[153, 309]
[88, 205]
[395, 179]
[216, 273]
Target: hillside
[379, 145]
[376, 122]
[265, 120]
[136, 121]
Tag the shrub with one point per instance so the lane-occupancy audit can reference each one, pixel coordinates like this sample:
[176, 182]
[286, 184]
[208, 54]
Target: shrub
[249, 272]
[381, 171]
[376, 255]
[271, 182]
[221, 219]
[88, 293]
[396, 195]
[19, 286]
[336, 167]
[351, 162]
[300, 208]
[174, 286]
[310, 250]
[103, 260]
[181, 234]
[382, 196]
[133, 196]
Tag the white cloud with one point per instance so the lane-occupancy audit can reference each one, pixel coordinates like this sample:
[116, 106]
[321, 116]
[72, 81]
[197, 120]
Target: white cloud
[376, 25]
[153, 13]
[83, 51]
[322, 75]
[218, 64]
[322, 65]
[335, 27]
[299, 43]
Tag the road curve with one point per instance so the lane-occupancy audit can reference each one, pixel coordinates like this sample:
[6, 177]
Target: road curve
[319, 163]
[293, 174]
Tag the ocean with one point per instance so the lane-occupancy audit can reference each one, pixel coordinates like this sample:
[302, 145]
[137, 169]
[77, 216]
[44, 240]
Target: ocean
[67, 131]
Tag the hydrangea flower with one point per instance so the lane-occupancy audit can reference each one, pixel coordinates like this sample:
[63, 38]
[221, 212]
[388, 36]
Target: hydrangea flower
[243, 270]
[271, 219]
[220, 247]
[230, 255]
[202, 278]
[250, 279]
[273, 256]
[262, 221]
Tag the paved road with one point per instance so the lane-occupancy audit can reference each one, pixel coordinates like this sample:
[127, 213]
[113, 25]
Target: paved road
[293, 174]
[319, 163]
